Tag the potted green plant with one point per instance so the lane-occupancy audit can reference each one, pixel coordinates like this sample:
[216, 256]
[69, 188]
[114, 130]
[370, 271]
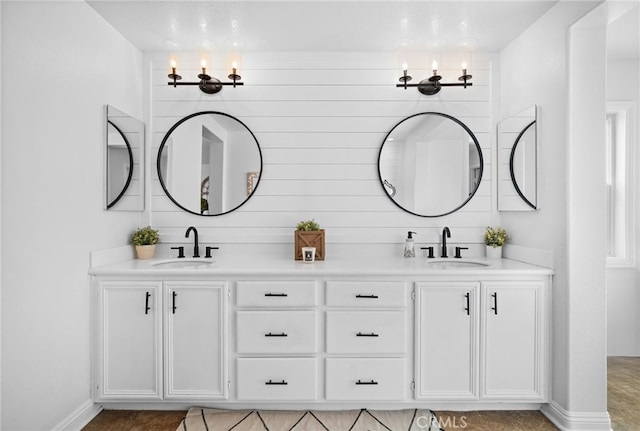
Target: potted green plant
[494, 239]
[145, 239]
[309, 234]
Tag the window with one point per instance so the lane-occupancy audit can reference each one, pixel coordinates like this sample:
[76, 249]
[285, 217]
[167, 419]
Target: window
[619, 181]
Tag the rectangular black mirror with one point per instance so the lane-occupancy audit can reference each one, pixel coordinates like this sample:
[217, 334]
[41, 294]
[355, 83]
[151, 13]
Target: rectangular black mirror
[517, 162]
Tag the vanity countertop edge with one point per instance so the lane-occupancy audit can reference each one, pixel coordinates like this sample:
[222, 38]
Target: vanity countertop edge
[253, 265]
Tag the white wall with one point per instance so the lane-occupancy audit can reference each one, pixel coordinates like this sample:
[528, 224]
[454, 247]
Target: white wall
[1, 135]
[623, 312]
[61, 63]
[320, 120]
[623, 284]
[535, 69]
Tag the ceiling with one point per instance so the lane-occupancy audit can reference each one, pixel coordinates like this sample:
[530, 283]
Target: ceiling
[315, 26]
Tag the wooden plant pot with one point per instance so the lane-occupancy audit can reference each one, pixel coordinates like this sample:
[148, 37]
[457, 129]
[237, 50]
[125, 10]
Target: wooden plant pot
[309, 238]
[145, 251]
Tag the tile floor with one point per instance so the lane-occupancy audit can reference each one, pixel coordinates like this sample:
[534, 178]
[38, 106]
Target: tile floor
[623, 393]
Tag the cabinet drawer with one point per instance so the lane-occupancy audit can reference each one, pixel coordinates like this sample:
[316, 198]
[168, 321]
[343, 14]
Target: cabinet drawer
[270, 379]
[366, 294]
[365, 379]
[366, 332]
[276, 293]
[276, 332]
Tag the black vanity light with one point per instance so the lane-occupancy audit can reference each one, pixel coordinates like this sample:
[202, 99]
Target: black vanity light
[432, 85]
[207, 83]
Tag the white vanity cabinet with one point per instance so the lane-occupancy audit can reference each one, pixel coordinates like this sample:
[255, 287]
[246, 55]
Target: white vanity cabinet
[142, 325]
[484, 341]
[369, 333]
[129, 340]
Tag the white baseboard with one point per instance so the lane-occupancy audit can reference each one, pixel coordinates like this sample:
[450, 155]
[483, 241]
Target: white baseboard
[79, 417]
[576, 421]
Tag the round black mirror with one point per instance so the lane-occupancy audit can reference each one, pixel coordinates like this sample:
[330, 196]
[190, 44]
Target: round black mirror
[209, 163]
[430, 164]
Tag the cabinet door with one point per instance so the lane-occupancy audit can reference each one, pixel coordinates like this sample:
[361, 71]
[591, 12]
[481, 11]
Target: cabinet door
[447, 340]
[129, 339]
[195, 340]
[512, 357]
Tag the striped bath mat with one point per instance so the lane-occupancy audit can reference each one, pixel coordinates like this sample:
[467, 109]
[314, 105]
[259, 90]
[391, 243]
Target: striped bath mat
[205, 419]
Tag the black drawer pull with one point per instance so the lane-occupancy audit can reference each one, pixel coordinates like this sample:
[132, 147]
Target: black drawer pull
[271, 334]
[495, 302]
[173, 305]
[372, 334]
[466, 295]
[271, 382]
[146, 303]
[367, 296]
[283, 295]
[372, 382]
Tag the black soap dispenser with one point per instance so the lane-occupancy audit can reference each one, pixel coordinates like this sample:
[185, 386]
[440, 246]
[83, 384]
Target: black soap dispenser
[409, 248]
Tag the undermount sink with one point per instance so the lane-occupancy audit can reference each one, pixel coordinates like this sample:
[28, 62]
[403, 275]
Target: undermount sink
[457, 263]
[182, 263]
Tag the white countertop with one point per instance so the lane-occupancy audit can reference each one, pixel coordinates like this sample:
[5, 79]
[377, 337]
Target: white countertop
[265, 265]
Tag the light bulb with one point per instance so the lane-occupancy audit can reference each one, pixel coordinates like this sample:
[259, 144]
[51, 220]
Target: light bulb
[464, 65]
[234, 65]
[434, 65]
[203, 63]
[404, 66]
[173, 64]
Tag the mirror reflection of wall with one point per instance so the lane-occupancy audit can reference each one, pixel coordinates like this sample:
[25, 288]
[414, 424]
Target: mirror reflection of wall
[212, 172]
[204, 160]
[124, 152]
[517, 162]
[430, 164]
[119, 161]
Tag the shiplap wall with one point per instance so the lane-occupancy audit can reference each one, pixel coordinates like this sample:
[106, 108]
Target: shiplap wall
[320, 120]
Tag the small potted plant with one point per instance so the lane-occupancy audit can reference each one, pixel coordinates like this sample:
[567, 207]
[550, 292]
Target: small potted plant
[309, 234]
[145, 240]
[494, 239]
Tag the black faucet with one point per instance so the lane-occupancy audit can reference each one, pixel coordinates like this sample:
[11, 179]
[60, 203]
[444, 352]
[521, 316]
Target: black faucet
[446, 233]
[196, 247]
